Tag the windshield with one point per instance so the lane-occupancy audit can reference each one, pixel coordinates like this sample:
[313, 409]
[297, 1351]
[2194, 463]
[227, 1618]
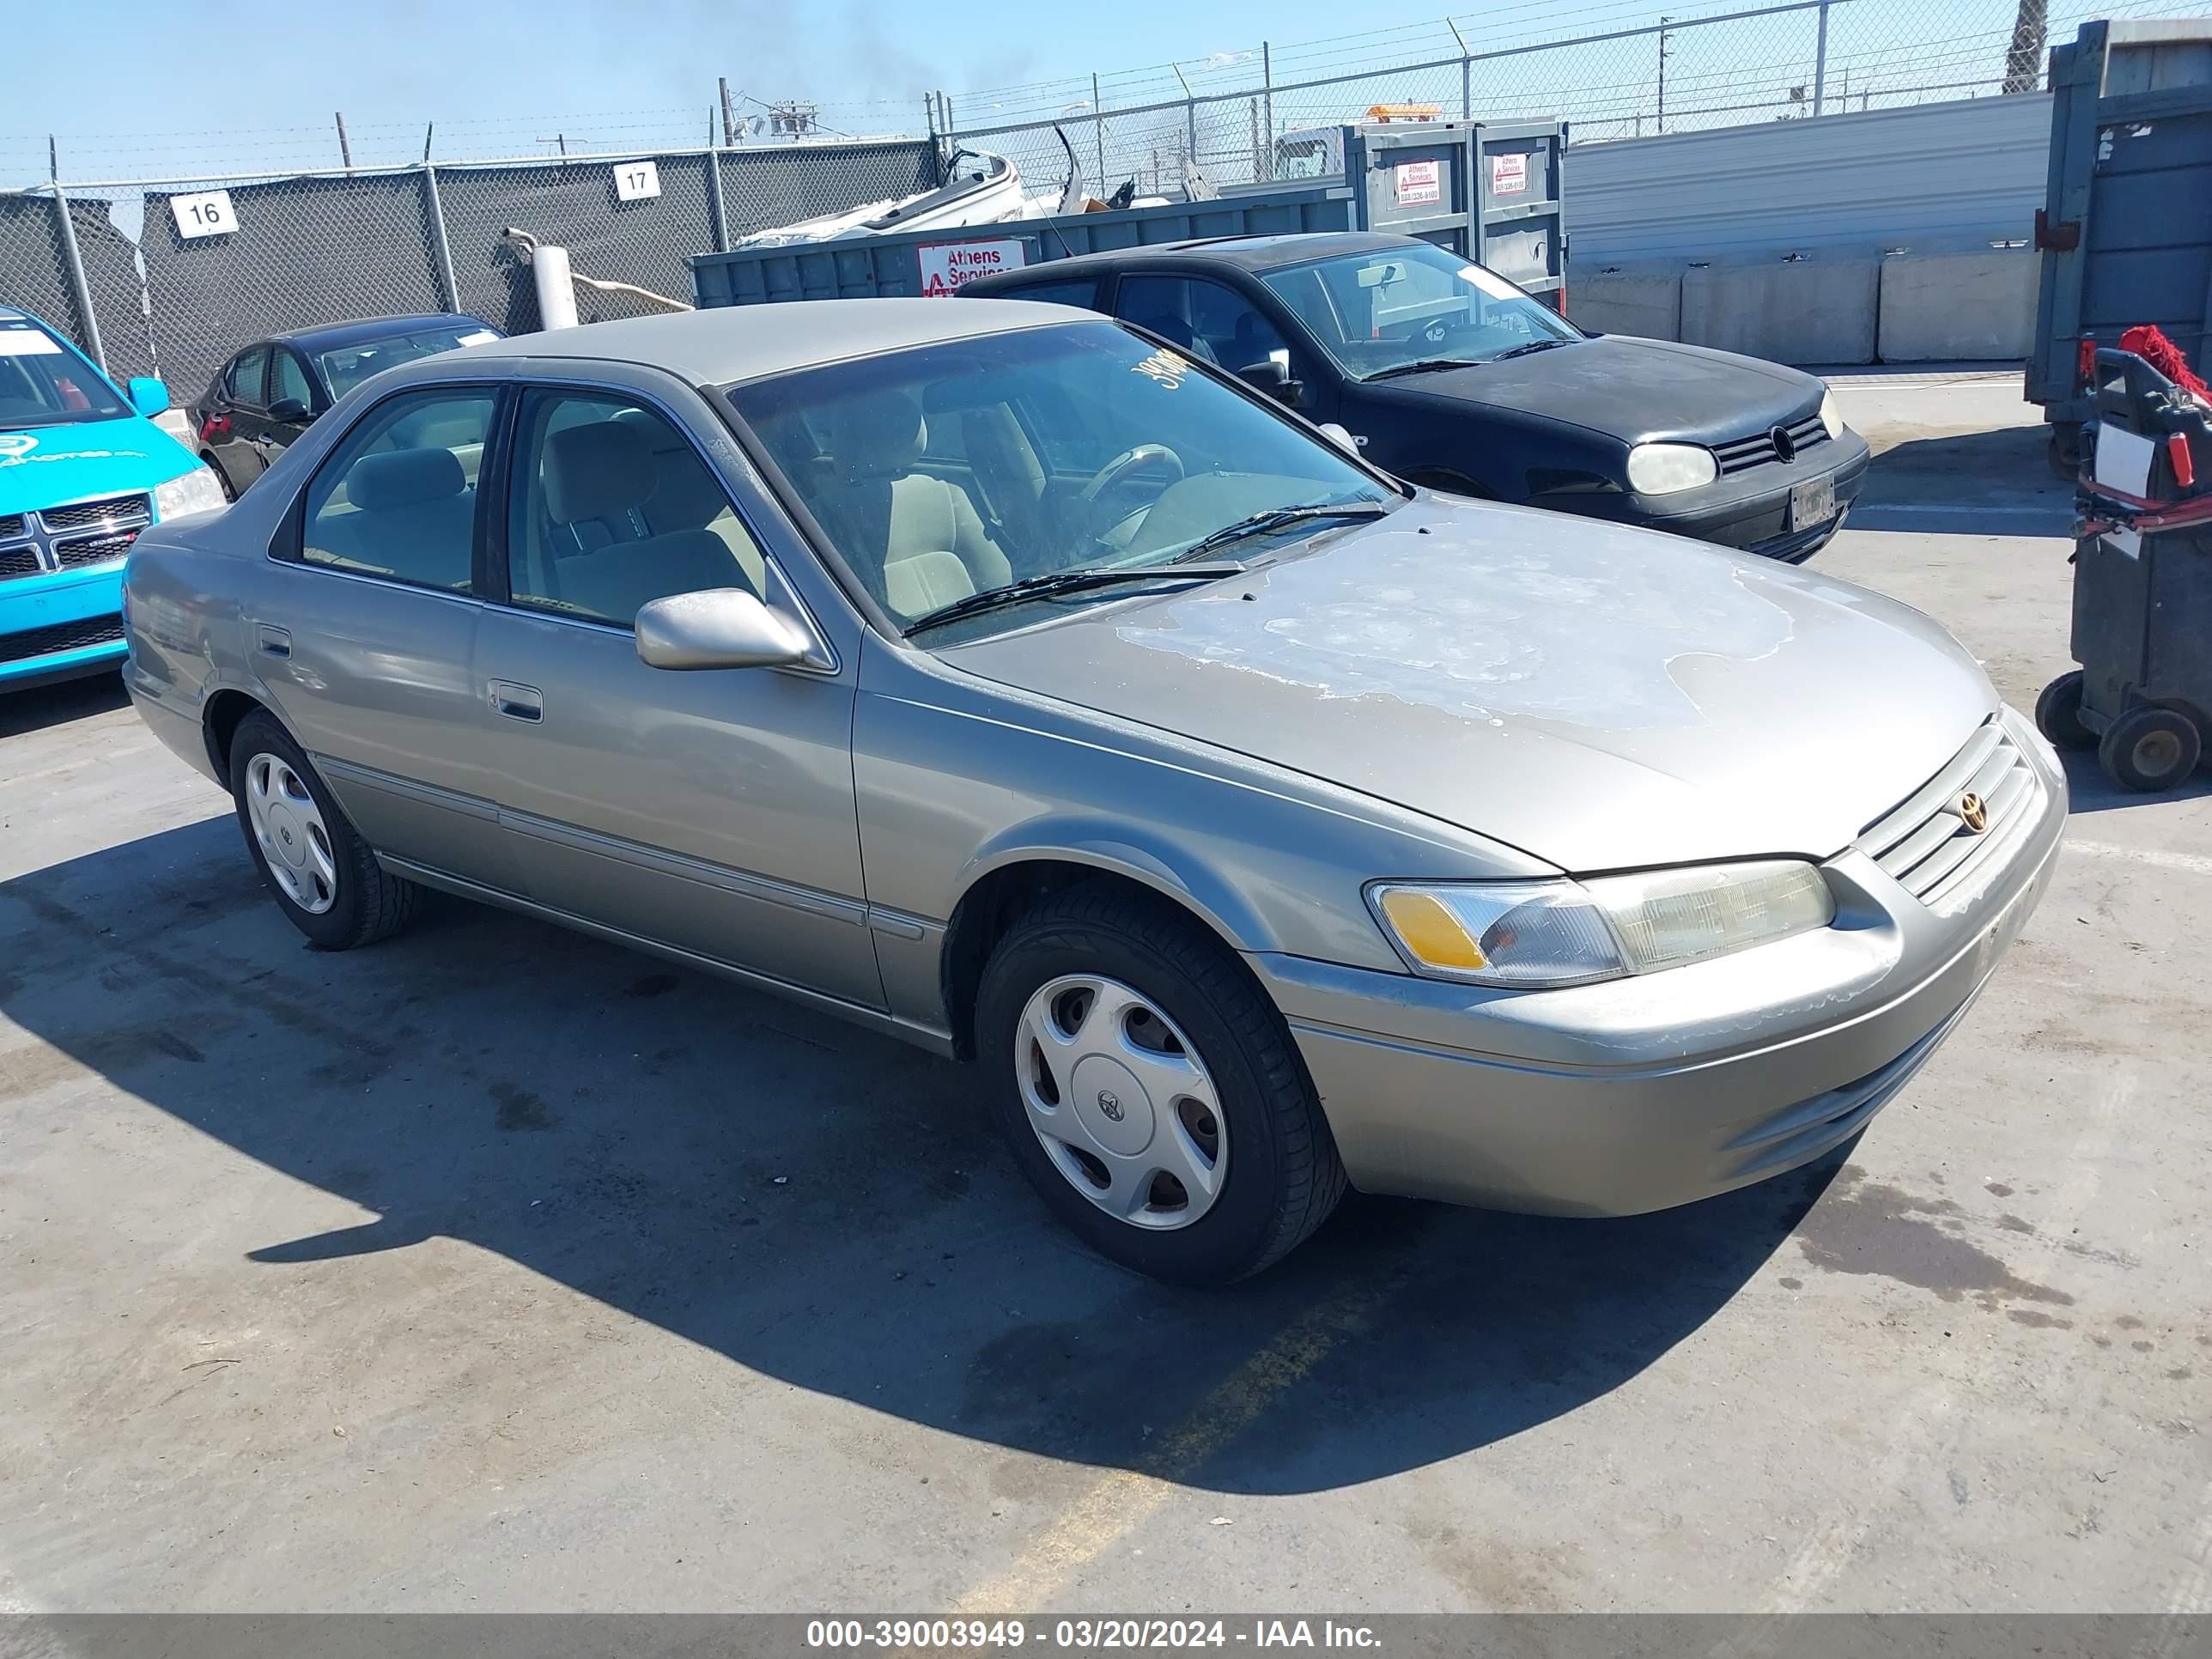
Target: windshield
[1389, 307]
[349, 366]
[43, 383]
[952, 470]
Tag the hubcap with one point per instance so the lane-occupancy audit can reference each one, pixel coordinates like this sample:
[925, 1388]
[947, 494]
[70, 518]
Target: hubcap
[288, 828]
[1121, 1101]
[2157, 753]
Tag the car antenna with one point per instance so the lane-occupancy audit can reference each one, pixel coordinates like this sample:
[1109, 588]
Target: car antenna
[1074, 184]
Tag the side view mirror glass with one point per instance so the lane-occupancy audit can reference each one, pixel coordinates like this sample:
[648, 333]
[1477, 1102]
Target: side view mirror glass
[718, 628]
[288, 409]
[147, 395]
[1273, 376]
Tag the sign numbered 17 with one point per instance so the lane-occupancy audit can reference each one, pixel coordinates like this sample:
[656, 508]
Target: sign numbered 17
[636, 181]
[208, 214]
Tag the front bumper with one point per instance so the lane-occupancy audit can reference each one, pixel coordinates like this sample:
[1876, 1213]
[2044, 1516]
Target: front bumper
[1749, 510]
[1646, 1092]
[60, 624]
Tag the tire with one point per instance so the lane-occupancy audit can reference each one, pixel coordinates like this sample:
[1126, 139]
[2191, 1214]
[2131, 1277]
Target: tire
[1278, 1172]
[2058, 713]
[327, 881]
[2150, 749]
[2064, 451]
[222, 478]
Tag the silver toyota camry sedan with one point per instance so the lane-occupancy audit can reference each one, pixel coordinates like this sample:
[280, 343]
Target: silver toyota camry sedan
[1000, 678]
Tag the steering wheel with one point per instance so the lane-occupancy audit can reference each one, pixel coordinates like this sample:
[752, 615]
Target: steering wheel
[1126, 465]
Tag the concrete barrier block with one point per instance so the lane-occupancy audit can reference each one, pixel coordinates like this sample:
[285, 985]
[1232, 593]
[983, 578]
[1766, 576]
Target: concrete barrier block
[1958, 307]
[1805, 311]
[1646, 302]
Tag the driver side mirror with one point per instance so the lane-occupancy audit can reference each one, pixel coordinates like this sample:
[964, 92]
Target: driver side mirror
[288, 409]
[1273, 376]
[718, 628]
[147, 395]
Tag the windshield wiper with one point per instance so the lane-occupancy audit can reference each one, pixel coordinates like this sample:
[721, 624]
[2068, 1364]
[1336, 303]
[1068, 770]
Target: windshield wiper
[1054, 582]
[1422, 368]
[1274, 517]
[1531, 345]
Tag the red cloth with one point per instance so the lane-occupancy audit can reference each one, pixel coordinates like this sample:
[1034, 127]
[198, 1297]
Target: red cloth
[2150, 343]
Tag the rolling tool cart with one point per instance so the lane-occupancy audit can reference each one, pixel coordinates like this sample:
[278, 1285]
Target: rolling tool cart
[2143, 582]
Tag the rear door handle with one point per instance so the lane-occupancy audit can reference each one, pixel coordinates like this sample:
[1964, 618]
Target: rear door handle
[518, 701]
[276, 642]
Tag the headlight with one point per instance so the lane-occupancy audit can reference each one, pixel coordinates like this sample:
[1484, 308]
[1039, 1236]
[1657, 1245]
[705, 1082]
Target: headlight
[195, 492]
[1831, 417]
[1530, 933]
[1662, 469]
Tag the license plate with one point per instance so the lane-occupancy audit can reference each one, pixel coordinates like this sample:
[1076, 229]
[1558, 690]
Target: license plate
[1813, 502]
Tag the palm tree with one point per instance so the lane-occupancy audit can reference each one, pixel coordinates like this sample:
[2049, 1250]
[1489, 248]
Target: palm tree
[2024, 59]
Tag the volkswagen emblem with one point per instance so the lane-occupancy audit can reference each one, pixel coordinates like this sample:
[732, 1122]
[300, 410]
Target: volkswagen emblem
[1110, 1103]
[1973, 812]
[1785, 446]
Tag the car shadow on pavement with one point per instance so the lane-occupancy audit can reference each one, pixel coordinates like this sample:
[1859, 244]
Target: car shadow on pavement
[1994, 483]
[2089, 790]
[817, 1204]
[44, 706]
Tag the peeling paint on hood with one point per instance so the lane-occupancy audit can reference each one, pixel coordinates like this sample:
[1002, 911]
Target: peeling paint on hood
[1599, 696]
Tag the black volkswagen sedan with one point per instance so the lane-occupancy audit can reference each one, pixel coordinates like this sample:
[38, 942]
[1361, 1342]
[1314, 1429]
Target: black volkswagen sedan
[269, 391]
[1452, 377]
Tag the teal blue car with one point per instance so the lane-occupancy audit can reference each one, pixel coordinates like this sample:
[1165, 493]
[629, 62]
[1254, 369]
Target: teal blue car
[83, 469]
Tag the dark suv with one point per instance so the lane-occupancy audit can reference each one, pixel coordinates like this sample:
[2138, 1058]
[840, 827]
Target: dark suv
[269, 392]
[1451, 377]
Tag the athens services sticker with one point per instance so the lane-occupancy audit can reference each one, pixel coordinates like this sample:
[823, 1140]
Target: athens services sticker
[1509, 174]
[948, 267]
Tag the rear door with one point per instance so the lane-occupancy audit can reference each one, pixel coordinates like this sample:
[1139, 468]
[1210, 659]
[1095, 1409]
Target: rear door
[237, 418]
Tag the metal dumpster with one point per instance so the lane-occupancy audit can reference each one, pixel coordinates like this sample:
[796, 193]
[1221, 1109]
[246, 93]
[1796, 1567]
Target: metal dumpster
[2122, 232]
[1488, 190]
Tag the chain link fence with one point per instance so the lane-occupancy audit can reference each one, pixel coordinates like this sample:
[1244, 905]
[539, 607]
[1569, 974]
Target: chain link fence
[170, 276]
[1721, 66]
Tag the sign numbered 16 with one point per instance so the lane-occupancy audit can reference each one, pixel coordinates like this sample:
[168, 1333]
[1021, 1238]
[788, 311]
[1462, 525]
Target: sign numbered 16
[208, 214]
[636, 181]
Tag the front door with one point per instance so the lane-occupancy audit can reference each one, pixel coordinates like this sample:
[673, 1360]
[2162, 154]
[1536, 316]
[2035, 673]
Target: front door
[711, 810]
[233, 437]
[291, 405]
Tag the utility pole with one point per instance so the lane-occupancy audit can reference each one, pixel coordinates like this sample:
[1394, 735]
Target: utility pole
[1663, 21]
[729, 116]
[345, 150]
[1821, 61]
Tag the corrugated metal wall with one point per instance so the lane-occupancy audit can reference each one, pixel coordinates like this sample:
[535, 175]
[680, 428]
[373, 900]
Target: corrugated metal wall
[1931, 177]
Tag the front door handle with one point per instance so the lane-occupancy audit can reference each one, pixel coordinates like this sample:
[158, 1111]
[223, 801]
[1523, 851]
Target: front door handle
[276, 641]
[518, 701]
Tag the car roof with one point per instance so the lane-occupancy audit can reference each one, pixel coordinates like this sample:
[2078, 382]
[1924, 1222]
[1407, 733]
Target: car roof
[1259, 252]
[743, 343]
[327, 337]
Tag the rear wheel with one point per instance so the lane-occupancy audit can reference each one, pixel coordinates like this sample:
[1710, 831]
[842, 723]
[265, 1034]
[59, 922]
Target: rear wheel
[1149, 1091]
[2150, 749]
[2058, 713]
[325, 878]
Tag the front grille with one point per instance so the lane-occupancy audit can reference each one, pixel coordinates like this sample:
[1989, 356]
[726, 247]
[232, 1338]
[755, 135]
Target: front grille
[1742, 454]
[96, 549]
[1924, 844]
[77, 514]
[12, 527]
[62, 636]
[18, 562]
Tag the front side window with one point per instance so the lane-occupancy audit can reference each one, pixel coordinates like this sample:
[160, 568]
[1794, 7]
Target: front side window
[611, 507]
[397, 497]
[242, 385]
[44, 383]
[1386, 310]
[1211, 318]
[1087, 448]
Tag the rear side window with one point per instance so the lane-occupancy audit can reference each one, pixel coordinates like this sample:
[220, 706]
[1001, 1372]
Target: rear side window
[242, 384]
[397, 497]
[1081, 291]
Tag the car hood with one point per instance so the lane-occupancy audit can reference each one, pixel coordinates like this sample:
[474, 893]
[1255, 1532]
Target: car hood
[47, 466]
[1634, 390]
[1598, 696]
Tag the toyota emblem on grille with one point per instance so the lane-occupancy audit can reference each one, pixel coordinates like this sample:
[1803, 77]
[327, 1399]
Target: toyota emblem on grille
[1110, 1103]
[1973, 812]
[1785, 446]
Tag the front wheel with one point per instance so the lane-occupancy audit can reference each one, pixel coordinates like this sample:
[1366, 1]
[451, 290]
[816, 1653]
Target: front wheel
[1149, 1091]
[2150, 749]
[324, 878]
